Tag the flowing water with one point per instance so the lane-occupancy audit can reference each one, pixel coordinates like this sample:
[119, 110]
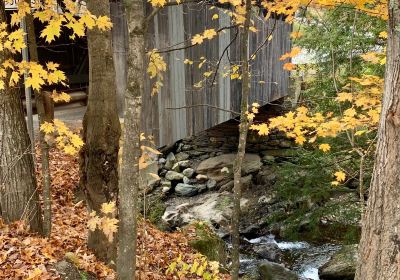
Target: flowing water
[301, 257]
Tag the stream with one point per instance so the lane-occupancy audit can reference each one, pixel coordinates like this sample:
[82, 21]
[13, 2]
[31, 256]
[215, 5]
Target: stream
[301, 257]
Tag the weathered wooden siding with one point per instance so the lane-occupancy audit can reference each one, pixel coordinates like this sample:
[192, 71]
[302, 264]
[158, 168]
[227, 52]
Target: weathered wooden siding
[194, 107]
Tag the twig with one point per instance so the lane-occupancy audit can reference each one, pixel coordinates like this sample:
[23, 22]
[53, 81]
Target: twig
[223, 53]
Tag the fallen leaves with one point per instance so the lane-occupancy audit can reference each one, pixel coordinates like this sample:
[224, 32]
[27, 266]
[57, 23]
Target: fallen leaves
[24, 255]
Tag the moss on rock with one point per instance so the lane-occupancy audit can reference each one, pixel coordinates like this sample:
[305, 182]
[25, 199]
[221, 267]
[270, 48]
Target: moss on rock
[209, 244]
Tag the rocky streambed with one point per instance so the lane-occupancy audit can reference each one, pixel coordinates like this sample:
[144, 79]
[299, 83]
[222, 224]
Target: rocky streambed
[192, 181]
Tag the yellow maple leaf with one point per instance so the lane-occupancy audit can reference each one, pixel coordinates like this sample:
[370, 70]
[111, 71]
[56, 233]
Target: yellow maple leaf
[383, 35]
[103, 23]
[158, 3]
[344, 96]
[70, 150]
[93, 223]
[47, 127]
[340, 176]
[325, 147]
[52, 30]
[197, 39]
[215, 16]
[109, 227]
[108, 208]
[263, 129]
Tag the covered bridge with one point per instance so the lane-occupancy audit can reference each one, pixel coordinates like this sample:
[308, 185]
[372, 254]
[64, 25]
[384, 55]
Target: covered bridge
[181, 109]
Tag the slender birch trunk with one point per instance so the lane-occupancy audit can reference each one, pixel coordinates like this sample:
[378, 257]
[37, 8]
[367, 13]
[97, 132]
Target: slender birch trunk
[129, 172]
[243, 129]
[43, 117]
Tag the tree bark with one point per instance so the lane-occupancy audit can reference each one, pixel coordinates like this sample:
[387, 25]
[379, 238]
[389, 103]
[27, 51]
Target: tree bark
[243, 129]
[101, 130]
[43, 117]
[379, 249]
[19, 198]
[130, 177]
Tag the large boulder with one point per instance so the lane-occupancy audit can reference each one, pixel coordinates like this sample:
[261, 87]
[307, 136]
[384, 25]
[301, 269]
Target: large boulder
[212, 167]
[213, 208]
[341, 266]
[274, 271]
[265, 270]
[268, 251]
[209, 244]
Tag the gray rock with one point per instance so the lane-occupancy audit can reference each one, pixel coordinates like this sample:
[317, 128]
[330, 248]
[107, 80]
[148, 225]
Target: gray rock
[162, 160]
[274, 271]
[166, 189]
[267, 199]
[201, 187]
[170, 161]
[201, 178]
[246, 182]
[186, 180]
[174, 176]
[212, 166]
[165, 183]
[181, 156]
[179, 149]
[188, 172]
[266, 177]
[211, 184]
[186, 190]
[69, 271]
[227, 187]
[285, 144]
[268, 159]
[204, 157]
[186, 148]
[176, 167]
[214, 208]
[184, 164]
[269, 251]
[341, 266]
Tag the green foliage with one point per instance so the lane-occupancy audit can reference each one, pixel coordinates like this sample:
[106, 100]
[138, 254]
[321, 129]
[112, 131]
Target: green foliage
[304, 185]
[334, 38]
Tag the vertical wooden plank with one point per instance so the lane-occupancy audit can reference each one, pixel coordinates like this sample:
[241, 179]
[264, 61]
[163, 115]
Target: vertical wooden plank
[224, 83]
[177, 72]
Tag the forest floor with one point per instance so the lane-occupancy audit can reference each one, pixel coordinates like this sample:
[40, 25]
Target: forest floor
[24, 255]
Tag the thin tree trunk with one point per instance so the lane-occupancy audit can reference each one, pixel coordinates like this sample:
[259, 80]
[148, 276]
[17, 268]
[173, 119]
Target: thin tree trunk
[101, 130]
[19, 198]
[243, 129]
[43, 117]
[129, 177]
[379, 249]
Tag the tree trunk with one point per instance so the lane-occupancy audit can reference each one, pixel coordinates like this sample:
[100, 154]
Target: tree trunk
[101, 130]
[43, 117]
[379, 249]
[243, 129]
[129, 177]
[19, 199]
